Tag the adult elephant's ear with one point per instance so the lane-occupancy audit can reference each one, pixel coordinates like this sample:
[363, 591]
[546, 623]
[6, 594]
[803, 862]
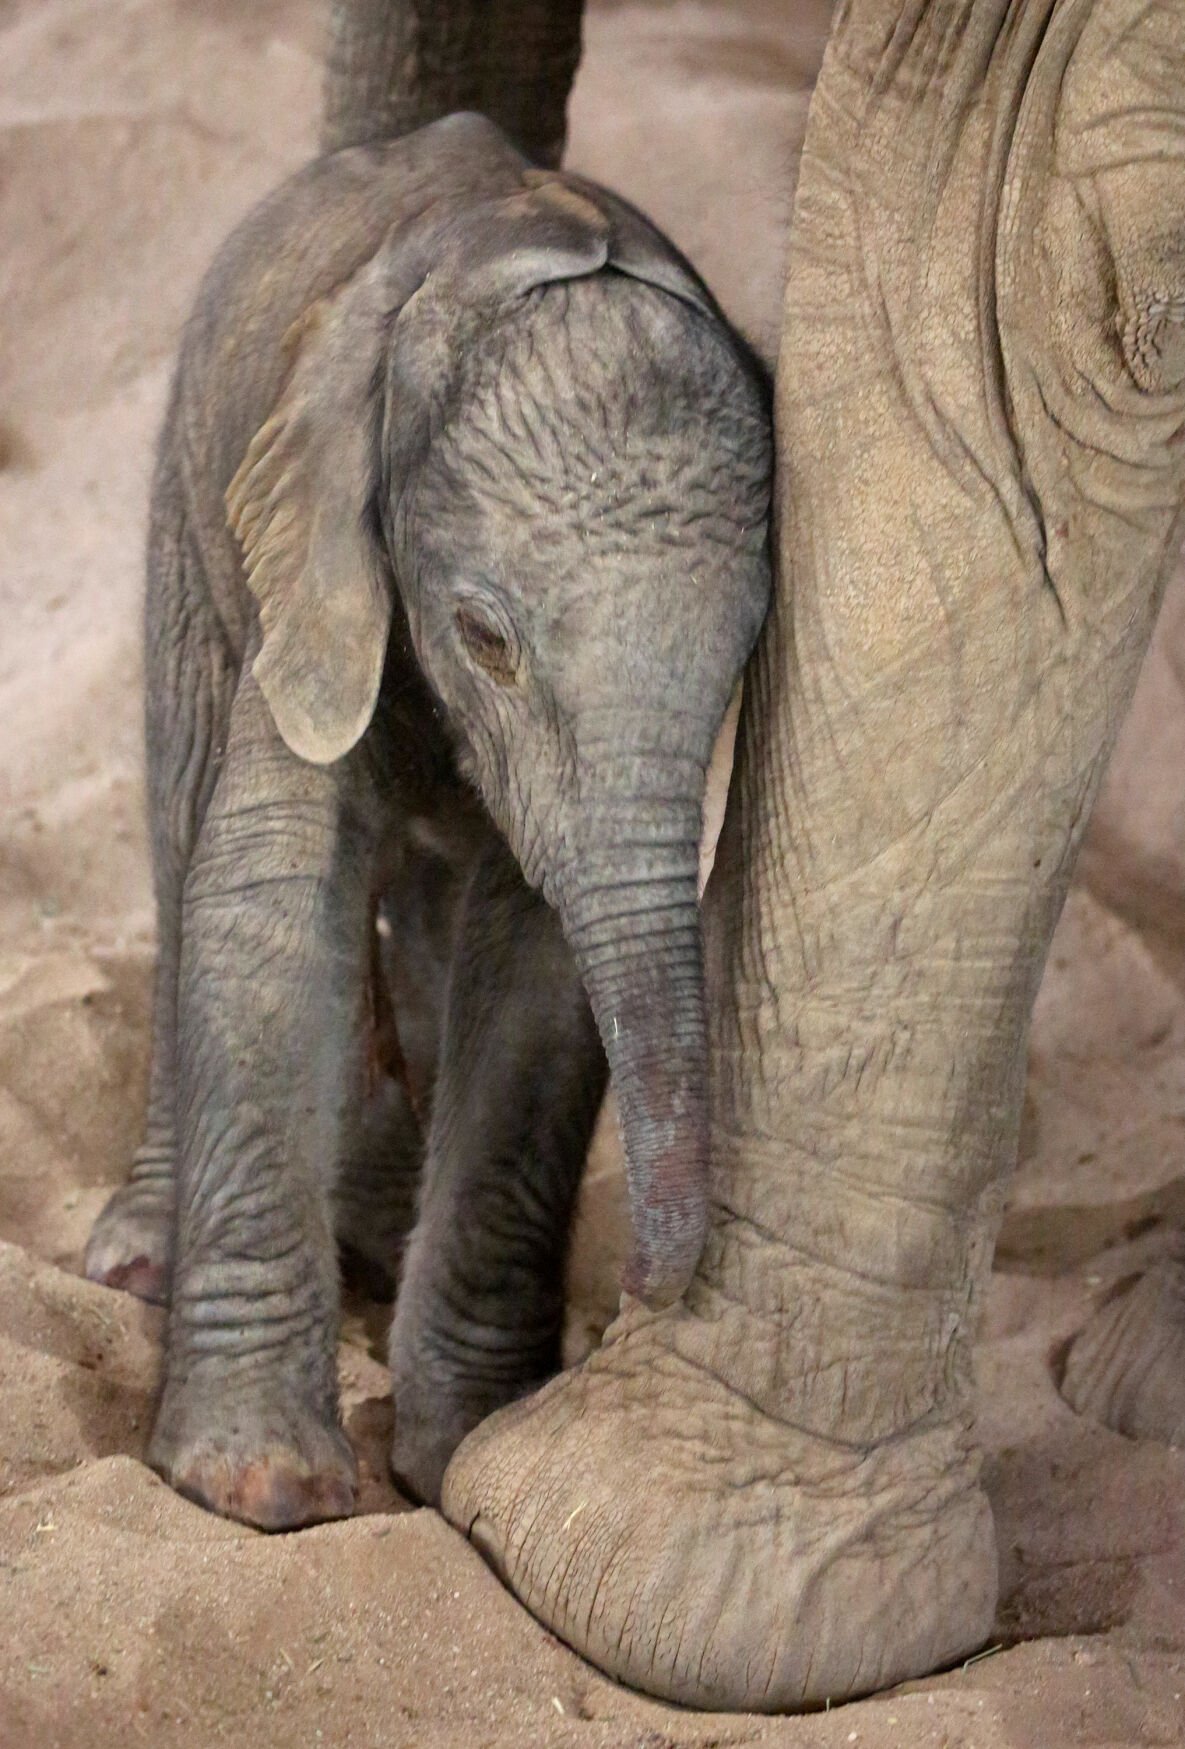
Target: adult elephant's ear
[298, 505]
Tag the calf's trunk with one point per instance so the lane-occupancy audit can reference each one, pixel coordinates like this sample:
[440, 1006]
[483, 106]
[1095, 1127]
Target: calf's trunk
[635, 934]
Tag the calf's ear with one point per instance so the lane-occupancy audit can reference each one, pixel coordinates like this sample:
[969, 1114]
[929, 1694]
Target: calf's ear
[300, 501]
[299, 505]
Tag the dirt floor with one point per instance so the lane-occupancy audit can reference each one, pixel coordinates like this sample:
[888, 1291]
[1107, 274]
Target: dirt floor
[132, 134]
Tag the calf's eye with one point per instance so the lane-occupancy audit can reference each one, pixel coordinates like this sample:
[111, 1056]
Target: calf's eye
[488, 645]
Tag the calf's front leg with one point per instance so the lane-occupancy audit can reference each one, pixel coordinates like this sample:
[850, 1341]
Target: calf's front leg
[273, 937]
[480, 1309]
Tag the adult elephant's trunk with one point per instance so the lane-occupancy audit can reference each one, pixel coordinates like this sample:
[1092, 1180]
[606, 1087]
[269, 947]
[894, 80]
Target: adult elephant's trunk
[630, 914]
[395, 65]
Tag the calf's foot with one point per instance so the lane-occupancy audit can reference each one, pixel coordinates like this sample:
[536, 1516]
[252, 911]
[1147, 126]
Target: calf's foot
[268, 1458]
[709, 1553]
[432, 1417]
[448, 1376]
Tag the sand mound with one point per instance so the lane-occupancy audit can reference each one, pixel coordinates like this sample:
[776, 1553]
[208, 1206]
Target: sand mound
[133, 133]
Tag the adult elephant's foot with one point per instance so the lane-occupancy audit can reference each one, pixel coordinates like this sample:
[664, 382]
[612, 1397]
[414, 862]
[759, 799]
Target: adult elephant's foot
[702, 1550]
[1127, 1367]
[271, 1460]
[131, 1241]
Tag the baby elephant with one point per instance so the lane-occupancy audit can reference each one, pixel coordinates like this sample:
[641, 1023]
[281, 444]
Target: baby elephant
[458, 547]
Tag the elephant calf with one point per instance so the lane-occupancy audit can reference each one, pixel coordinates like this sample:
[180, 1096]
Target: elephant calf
[458, 547]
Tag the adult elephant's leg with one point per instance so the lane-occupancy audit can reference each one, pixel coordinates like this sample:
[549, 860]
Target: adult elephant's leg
[394, 65]
[769, 1495]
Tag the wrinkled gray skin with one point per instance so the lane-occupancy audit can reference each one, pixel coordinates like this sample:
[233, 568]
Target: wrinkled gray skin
[458, 546]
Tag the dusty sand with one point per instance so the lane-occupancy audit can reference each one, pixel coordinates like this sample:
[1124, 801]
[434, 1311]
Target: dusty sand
[134, 132]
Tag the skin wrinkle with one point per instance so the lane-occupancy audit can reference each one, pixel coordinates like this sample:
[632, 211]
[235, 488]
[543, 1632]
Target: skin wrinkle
[665, 920]
[229, 1315]
[576, 1555]
[929, 822]
[492, 1360]
[1090, 496]
[1077, 443]
[255, 1282]
[889, 1288]
[210, 1196]
[787, 1415]
[790, 1247]
[884, 1363]
[555, 1583]
[201, 1286]
[828, 1126]
[911, 325]
[627, 1630]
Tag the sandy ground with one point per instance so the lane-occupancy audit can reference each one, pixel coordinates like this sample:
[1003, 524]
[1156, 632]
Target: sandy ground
[132, 134]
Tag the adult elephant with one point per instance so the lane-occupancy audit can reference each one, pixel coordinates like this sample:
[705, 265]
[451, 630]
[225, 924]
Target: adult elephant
[768, 1495]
